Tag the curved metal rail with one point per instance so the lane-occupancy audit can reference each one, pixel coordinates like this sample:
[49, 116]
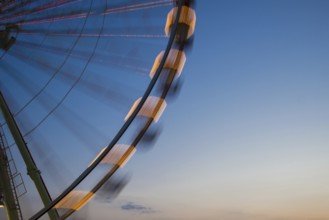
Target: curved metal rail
[123, 128]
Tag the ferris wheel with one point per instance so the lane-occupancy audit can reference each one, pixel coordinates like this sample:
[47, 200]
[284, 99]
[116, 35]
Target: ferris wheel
[83, 84]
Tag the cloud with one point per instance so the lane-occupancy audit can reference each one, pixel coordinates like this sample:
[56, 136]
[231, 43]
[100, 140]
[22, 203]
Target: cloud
[238, 215]
[130, 206]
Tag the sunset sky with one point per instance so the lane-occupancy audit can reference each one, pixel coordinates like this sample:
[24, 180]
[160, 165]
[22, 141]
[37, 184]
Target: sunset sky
[248, 136]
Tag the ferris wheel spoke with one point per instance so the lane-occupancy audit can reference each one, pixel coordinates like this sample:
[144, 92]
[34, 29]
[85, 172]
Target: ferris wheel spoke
[5, 4]
[68, 78]
[103, 59]
[51, 19]
[47, 155]
[114, 98]
[83, 66]
[99, 12]
[96, 35]
[144, 29]
[14, 73]
[38, 9]
[65, 119]
[139, 6]
[48, 82]
[60, 101]
[99, 58]
[14, 6]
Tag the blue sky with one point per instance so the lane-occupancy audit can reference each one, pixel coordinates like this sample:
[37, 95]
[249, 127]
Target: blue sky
[247, 137]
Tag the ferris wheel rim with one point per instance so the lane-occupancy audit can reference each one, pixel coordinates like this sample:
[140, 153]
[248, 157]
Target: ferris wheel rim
[124, 127]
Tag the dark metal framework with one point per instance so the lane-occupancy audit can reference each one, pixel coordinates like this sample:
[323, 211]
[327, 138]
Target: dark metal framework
[177, 40]
[123, 128]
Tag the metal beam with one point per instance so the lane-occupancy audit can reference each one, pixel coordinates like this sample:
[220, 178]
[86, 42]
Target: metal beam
[6, 189]
[32, 169]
